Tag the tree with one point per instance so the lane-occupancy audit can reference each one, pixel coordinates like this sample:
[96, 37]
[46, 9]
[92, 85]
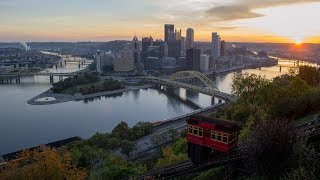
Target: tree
[127, 147]
[246, 86]
[121, 131]
[270, 146]
[309, 74]
[169, 157]
[44, 163]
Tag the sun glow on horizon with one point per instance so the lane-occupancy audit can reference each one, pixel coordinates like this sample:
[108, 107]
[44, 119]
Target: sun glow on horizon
[295, 23]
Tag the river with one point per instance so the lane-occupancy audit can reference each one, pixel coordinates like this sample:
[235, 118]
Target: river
[24, 126]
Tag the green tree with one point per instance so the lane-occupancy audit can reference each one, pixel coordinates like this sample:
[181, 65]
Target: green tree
[127, 147]
[246, 86]
[121, 131]
[114, 167]
[169, 157]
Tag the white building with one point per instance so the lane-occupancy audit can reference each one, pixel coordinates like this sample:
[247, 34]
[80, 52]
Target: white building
[204, 63]
[215, 45]
[104, 59]
[124, 61]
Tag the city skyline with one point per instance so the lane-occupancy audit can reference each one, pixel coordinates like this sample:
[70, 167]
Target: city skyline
[283, 21]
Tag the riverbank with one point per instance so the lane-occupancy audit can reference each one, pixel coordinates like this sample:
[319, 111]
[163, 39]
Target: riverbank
[48, 97]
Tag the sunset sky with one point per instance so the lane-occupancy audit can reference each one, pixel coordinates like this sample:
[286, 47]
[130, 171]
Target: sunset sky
[104, 20]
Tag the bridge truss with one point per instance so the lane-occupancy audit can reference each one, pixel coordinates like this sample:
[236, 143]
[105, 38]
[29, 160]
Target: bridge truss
[195, 74]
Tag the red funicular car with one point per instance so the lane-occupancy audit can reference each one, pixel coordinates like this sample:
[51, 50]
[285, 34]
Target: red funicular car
[206, 135]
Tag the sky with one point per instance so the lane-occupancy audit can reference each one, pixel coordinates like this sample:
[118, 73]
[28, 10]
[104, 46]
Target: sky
[281, 21]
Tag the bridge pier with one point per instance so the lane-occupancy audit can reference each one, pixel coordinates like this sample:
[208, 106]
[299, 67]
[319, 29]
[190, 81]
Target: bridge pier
[18, 79]
[280, 68]
[51, 79]
[61, 78]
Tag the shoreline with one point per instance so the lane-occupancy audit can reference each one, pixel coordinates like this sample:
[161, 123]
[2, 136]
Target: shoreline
[61, 98]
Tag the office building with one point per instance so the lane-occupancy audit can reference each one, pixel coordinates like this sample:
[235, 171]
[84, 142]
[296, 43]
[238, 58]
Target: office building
[193, 59]
[215, 45]
[136, 51]
[104, 61]
[169, 65]
[124, 61]
[163, 47]
[183, 46]
[152, 64]
[154, 51]
[146, 42]
[182, 64]
[223, 48]
[169, 34]
[174, 48]
[204, 63]
[190, 38]
[177, 34]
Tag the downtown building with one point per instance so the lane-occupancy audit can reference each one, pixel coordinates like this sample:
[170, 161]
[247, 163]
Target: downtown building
[215, 45]
[193, 59]
[190, 38]
[124, 61]
[104, 61]
[204, 63]
[136, 49]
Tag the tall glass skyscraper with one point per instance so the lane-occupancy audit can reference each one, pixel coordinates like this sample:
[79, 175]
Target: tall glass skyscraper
[190, 38]
[216, 45]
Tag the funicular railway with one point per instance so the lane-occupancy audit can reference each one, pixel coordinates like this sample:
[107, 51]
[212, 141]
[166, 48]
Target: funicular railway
[311, 130]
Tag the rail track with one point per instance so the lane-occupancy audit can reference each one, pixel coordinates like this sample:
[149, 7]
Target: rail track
[311, 129]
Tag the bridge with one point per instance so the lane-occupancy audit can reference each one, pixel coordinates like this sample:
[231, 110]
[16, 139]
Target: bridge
[17, 76]
[210, 87]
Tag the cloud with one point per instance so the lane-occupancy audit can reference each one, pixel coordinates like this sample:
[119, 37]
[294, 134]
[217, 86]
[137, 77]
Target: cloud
[232, 12]
[227, 27]
[245, 9]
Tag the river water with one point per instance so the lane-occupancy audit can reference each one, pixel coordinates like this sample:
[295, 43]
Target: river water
[24, 126]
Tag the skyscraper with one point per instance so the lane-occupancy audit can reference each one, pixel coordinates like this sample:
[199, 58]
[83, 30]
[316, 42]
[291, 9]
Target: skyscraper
[136, 51]
[146, 42]
[169, 34]
[204, 63]
[215, 45]
[104, 61]
[193, 59]
[183, 46]
[223, 48]
[190, 38]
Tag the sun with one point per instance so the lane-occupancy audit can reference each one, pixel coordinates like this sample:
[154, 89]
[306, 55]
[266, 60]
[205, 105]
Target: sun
[298, 40]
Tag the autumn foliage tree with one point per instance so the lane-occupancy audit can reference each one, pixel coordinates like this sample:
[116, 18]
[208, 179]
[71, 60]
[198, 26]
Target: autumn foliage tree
[43, 163]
